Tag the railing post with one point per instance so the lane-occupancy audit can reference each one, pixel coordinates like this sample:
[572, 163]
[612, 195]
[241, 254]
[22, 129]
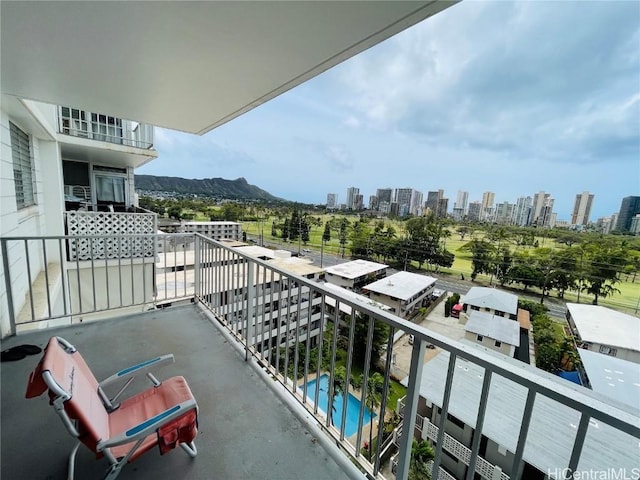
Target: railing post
[410, 409]
[196, 268]
[7, 283]
[250, 309]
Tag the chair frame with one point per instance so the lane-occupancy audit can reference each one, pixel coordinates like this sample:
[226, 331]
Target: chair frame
[136, 433]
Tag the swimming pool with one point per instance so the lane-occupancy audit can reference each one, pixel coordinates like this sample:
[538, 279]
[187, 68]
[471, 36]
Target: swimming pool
[353, 406]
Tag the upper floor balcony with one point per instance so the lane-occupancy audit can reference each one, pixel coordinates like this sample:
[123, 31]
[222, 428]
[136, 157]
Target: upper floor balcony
[276, 405]
[104, 128]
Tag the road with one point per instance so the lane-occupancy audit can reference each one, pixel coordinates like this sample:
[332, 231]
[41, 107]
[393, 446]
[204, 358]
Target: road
[556, 306]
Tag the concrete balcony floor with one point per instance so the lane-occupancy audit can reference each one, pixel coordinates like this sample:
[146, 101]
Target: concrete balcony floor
[246, 431]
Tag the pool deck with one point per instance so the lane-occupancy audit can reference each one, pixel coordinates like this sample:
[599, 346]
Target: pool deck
[246, 429]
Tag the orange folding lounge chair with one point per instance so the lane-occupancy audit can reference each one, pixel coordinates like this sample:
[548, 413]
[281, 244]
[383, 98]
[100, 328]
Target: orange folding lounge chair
[164, 415]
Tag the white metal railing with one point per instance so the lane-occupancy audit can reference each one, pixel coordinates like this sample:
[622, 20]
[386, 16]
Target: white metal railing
[46, 279]
[233, 287]
[104, 128]
[459, 450]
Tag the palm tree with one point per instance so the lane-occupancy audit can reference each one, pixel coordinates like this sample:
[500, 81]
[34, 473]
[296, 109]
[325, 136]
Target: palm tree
[337, 387]
[421, 453]
[375, 385]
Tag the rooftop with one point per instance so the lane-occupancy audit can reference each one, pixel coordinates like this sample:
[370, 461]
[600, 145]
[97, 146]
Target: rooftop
[599, 324]
[245, 429]
[353, 296]
[614, 377]
[355, 268]
[553, 425]
[486, 297]
[402, 285]
[493, 326]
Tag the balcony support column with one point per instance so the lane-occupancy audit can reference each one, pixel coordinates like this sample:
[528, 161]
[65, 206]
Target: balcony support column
[251, 294]
[411, 408]
[196, 267]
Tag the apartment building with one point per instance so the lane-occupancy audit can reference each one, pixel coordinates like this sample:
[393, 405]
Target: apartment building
[355, 274]
[217, 230]
[629, 208]
[603, 330]
[332, 201]
[352, 193]
[551, 430]
[497, 302]
[404, 292]
[70, 171]
[494, 332]
[582, 208]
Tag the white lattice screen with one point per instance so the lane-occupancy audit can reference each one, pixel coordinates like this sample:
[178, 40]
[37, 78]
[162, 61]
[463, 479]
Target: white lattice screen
[117, 226]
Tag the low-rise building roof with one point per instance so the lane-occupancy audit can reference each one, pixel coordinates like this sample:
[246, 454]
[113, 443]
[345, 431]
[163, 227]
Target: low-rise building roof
[597, 324]
[485, 297]
[614, 377]
[401, 285]
[553, 426]
[349, 295]
[355, 268]
[493, 326]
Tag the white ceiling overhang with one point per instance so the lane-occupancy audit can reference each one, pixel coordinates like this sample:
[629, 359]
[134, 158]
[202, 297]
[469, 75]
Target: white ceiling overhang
[189, 66]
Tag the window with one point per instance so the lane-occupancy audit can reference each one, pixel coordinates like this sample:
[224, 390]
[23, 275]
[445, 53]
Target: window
[455, 421]
[498, 343]
[479, 338]
[608, 350]
[22, 167]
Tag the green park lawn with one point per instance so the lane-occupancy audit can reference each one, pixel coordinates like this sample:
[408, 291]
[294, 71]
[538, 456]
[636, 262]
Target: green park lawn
[626, 300]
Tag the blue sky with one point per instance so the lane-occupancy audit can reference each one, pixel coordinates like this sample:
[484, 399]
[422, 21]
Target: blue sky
[507, 97]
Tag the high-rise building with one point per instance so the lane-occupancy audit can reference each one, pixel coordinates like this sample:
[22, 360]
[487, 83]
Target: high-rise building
[582, 208]
[443, 206]
[635, 224]
[432, 201]
[409, 201]
[488, 199]
[332, 201]
[373, 202]
[461, 202]
[351, 197]
[385, 195]
[540, 201]
[603, 224]
[522, 212]
[629, 208]
[505, 213]
[358, 202]
[474, 211]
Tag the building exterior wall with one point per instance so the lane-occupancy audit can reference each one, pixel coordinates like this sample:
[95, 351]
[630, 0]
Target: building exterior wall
[622, 353]
[489, 342]
[43, 218]
[215, 230]
[582, 208]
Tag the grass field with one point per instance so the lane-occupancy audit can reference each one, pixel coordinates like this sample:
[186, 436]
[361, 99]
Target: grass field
[627, 300]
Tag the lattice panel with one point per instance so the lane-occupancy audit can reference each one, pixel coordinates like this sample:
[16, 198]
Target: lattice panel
[119, 227]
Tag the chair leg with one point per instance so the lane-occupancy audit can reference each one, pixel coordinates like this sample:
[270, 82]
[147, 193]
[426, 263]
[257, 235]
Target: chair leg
[190, 448]
[72, 461]
[114, 470]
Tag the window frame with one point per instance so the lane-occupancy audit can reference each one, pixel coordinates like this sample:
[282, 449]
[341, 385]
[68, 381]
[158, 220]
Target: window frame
[23, 166]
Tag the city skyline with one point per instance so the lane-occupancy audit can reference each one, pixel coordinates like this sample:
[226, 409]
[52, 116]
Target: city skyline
[486, 97]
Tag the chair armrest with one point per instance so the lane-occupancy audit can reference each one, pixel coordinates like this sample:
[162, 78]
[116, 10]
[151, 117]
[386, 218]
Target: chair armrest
[137, 369]
[148, 427]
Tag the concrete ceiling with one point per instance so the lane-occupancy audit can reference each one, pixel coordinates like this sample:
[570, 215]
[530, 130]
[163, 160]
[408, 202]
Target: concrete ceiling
[188, 66]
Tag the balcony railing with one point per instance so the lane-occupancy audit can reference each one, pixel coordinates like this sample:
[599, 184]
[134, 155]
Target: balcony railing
[104, 128]
[240, 292]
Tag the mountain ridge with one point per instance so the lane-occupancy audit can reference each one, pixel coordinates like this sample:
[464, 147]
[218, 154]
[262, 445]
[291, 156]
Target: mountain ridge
[238, 189]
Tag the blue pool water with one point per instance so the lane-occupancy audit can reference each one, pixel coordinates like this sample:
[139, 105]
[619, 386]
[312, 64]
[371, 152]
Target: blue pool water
[353, 406]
